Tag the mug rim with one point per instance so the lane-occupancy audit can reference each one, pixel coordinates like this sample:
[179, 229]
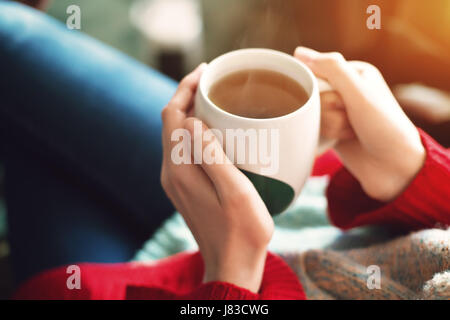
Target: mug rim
[306, 105]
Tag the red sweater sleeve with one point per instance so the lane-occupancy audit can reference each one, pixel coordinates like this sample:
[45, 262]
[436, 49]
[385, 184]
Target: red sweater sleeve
[424, 204]
[175, 277]
[279, 283]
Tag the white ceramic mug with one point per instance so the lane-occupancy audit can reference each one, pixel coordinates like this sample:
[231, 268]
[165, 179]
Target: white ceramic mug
[298, 132]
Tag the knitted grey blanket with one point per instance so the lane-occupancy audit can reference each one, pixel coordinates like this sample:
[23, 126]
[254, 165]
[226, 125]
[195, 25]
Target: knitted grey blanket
[414, 266]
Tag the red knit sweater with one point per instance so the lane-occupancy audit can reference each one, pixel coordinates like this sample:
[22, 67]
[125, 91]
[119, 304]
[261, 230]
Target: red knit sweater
[424, 204]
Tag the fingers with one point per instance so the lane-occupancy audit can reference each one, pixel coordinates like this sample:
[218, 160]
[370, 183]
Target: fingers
[331, 100]
[368, 101]
[208, 152]
[343, 76]
[176, 110]
[334, 123]
[365, 69]
[186, 90]
[333, 67]
[330, 65]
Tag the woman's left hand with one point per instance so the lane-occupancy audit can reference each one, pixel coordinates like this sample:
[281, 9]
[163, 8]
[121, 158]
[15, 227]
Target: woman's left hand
[223, 210]
[376, 141]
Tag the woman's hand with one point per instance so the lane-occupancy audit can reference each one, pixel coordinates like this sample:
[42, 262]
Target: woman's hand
[219, 204]
[377, 142]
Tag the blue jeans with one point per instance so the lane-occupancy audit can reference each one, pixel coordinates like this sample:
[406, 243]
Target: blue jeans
[81, 138]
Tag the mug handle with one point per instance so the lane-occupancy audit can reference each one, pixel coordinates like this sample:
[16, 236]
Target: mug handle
[324, 144]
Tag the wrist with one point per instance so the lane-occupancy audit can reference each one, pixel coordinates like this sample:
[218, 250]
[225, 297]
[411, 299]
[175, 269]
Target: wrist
[243, 268]
[416, 159]
[396, 176]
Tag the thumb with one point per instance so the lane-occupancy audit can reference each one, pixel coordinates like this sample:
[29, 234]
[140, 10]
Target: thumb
[208, 153]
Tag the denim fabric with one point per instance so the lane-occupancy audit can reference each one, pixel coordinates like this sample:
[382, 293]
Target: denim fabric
[81, 133]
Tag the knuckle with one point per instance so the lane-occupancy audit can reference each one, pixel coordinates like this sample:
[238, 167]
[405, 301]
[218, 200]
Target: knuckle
[165, 113]
[178, 178]
[331, 100]
[365, 67]
[269, 230]
[333, 58]
[177, 101]
[333, 124]
[368, 66]
[187, 82]
[171, 177]
[165, 182]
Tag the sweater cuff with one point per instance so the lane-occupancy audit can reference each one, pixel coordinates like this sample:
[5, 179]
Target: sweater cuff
[423, 204]
[279, 283]
[220, 291]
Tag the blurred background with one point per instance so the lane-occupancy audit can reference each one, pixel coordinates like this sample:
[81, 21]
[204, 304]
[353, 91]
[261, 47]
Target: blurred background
[412, 48]
[413, 44]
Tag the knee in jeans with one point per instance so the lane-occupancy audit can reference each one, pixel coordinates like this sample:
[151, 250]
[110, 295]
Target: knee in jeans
[18, 21]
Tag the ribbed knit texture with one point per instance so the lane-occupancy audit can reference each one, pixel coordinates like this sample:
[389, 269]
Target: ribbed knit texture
[424, 204]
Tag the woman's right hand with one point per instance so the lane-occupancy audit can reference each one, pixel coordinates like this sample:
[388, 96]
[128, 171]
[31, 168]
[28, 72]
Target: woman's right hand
[220, 205]
[377, 142]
